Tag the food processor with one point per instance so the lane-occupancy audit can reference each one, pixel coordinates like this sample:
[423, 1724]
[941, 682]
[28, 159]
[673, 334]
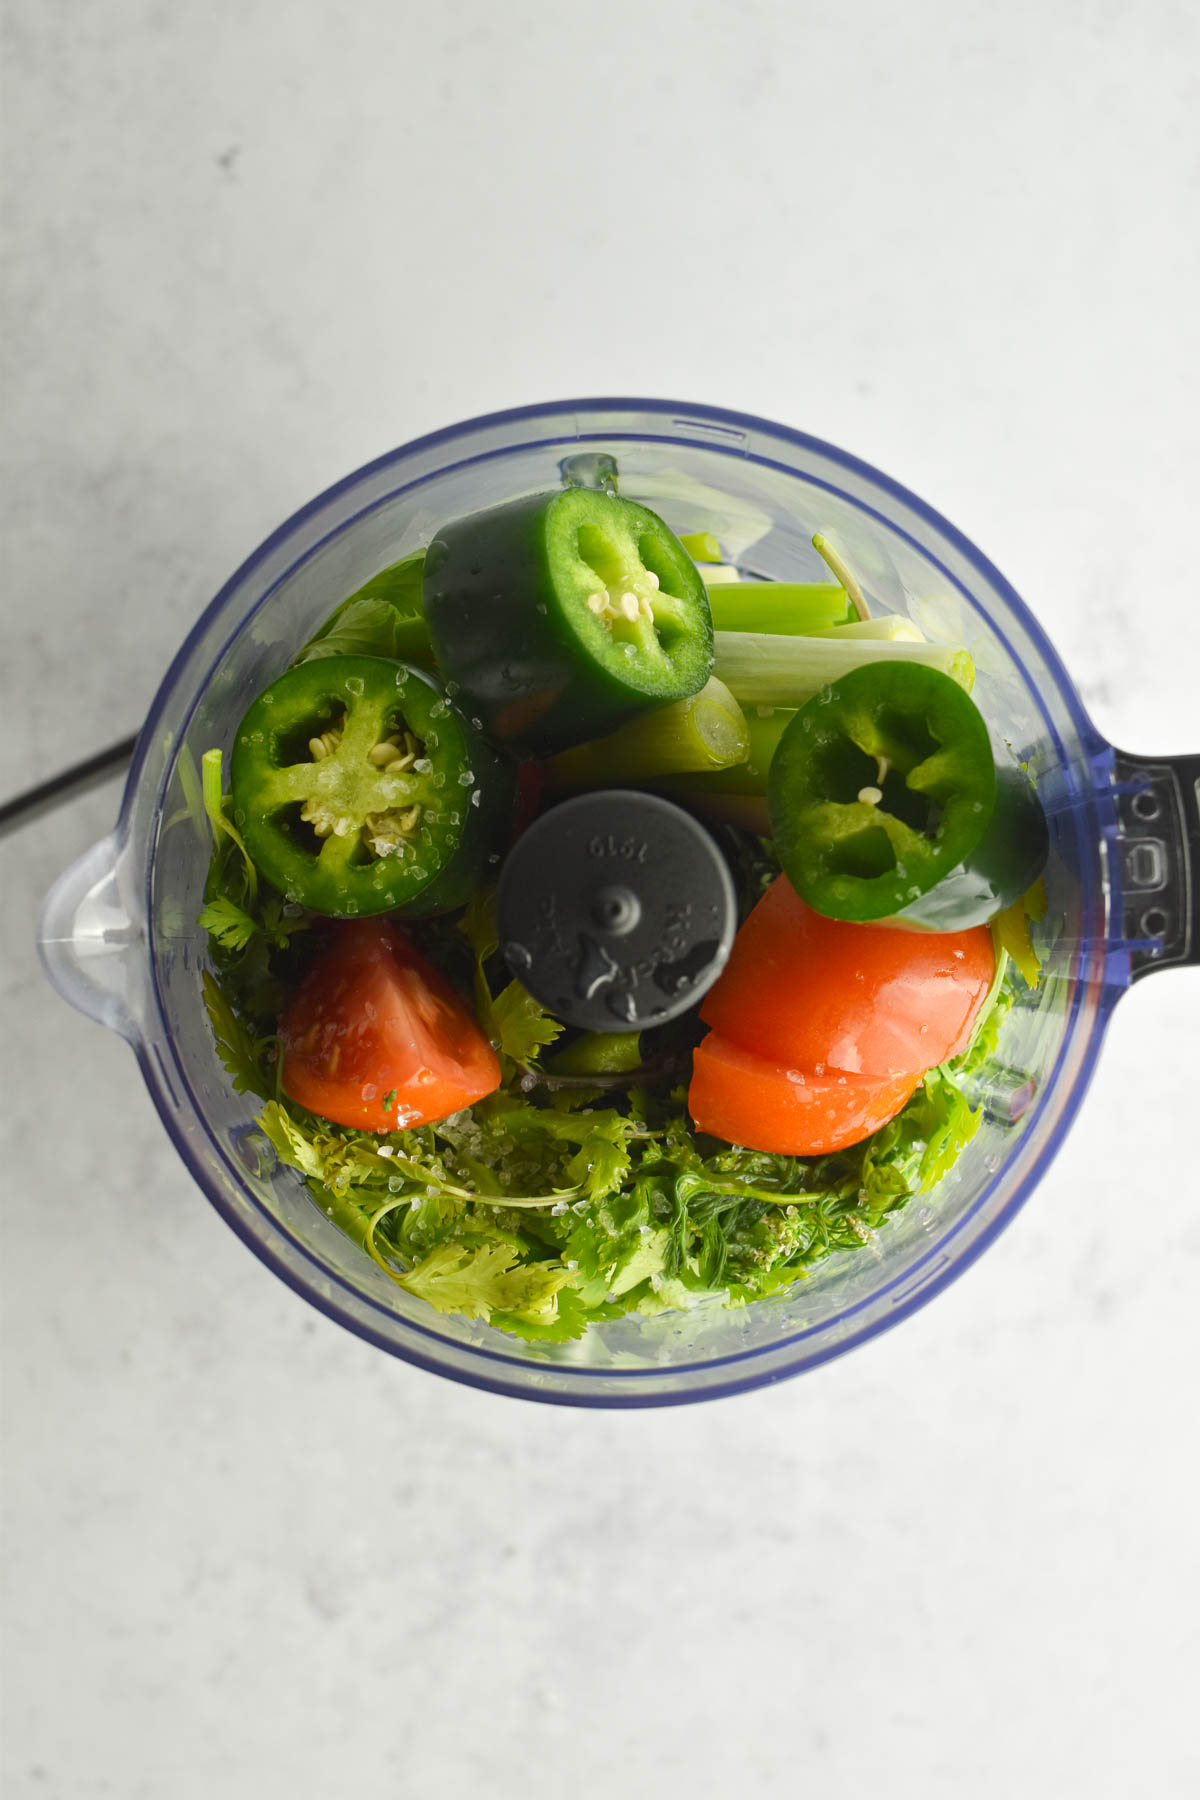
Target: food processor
[119, 940]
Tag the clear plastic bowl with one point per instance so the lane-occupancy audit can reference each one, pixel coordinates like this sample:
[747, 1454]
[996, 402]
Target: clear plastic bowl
[118, 936]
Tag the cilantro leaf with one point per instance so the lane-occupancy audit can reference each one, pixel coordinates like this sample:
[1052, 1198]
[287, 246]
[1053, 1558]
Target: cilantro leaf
[238, 1050]
[281, 919]
[478, 926]
[514, 1022]
[345, 1174]
[509, 1146]
[361, 627]
[613, 1246]
[523, 1026]
[478, 1280]
[478, 923]
[292, 1145]
[384, 617]
[677, 1293]
[954, 1124]
[400, 584]
[644, 1264]
[240, 911]
[225, 921]
[601, 1163]
[571, 1319]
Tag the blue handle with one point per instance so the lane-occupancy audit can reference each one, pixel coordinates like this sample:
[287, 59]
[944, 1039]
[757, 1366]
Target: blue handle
[1158, 836]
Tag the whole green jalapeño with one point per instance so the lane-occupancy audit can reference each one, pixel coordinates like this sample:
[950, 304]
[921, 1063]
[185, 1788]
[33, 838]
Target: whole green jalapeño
[559, 616]
[359, 788]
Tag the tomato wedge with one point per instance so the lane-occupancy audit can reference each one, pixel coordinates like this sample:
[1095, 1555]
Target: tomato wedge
[374, 1038]
[816, 993]
[749, 1100]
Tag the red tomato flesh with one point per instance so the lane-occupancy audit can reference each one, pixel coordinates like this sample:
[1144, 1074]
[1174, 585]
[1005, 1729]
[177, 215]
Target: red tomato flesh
[816, 993]
[374, 1038]
[749, 1100]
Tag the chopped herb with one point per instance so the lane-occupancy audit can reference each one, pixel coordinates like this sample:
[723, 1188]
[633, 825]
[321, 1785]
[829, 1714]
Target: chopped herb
[225, 921]
[239, 1051]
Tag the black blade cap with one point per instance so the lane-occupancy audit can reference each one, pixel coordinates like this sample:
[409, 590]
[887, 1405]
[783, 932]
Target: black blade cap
[616, 910]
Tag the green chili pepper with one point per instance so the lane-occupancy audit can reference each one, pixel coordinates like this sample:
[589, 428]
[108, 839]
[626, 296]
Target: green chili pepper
[886, 803]
[559, 616]
[1004, 864]
[360, 789]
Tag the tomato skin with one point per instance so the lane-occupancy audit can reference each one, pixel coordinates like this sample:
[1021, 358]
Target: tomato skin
[370, 1017]
[812, 992]
[753, 1101]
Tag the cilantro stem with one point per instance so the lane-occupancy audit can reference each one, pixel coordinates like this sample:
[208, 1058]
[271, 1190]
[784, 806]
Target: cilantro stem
[275, 1042]
[424, 1178]
[528, 1200]
[653, 1074]
[381, 1212]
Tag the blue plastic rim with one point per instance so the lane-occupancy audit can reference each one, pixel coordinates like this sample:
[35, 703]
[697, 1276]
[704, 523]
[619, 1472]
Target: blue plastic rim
[484, 1365]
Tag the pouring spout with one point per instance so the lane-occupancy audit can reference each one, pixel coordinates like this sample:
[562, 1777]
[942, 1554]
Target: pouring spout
[88, 940]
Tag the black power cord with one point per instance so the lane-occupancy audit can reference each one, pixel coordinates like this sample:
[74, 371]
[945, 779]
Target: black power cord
[77, 780]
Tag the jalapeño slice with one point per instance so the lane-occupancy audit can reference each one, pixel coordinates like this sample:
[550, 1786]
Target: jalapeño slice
[561, 615]
[360, 789]
[882, 786]
[1004, 864]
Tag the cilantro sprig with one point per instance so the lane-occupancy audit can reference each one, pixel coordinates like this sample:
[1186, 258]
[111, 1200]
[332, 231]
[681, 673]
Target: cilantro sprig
[518, 1028]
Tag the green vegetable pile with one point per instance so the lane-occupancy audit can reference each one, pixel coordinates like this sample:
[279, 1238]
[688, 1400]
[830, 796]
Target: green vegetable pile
[578, 1191]
[556, 1204]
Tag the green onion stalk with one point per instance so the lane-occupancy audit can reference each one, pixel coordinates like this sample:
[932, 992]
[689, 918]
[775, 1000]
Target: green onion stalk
[765, 670]
[737, 795]
[779, 608]
[889, 627]
[704, 732]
